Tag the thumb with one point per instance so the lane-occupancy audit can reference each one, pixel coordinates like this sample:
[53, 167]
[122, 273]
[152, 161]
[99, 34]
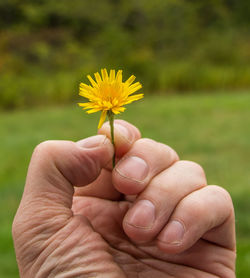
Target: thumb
[55, 168]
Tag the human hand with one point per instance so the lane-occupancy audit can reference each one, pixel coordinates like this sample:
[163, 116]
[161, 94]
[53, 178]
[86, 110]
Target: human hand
[152, 216]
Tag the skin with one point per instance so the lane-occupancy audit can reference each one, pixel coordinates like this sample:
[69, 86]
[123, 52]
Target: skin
[152, 216]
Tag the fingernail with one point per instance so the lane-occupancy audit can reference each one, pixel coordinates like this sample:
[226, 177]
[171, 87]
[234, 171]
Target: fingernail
[92, 142]
[173, 234]
[142, 215]
[133, 168]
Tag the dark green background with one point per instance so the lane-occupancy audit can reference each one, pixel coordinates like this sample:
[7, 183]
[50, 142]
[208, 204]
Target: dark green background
[47, 47]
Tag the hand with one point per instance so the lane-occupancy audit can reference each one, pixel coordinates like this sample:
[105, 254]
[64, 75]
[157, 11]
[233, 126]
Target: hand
[152, 216]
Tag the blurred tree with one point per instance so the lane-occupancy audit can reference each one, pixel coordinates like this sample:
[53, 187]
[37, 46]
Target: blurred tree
[10, 13]
[176, 44]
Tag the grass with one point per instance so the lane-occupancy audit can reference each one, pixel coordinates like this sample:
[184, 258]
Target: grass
[211, 129]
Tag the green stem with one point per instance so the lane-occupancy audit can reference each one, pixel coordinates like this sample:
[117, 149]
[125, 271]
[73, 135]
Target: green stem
[111, 122]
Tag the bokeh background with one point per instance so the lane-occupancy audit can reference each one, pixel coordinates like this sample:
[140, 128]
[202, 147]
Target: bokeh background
[192, 57]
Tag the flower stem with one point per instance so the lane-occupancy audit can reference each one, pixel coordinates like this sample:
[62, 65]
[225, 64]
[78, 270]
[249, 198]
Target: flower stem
[111, 122]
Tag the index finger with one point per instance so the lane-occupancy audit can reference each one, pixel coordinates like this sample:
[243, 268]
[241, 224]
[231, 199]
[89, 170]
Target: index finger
[125, 135]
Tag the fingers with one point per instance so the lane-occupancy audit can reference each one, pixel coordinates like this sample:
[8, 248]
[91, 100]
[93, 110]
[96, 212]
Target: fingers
[206, 213]
[125, 135]
[140, 164]
[102, 188]
[171, 200]
[57, 166]
[156, 203]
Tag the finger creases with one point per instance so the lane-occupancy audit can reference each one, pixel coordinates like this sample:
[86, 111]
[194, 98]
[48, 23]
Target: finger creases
[57, 166]
[158, 201]
[140, 164]
[206, 214]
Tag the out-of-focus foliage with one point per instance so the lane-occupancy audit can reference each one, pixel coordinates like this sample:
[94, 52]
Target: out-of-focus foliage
[47, 47]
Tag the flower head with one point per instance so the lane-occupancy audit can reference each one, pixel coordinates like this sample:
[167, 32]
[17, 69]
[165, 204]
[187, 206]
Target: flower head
[108, 93]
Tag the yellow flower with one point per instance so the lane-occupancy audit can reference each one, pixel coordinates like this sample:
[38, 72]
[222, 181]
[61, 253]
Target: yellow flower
[108, 93]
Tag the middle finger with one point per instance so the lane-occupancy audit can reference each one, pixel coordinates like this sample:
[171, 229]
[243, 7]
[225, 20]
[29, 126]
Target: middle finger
[142, 162]
[154, 206]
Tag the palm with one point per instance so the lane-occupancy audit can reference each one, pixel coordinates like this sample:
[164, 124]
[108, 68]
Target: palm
[146, 259]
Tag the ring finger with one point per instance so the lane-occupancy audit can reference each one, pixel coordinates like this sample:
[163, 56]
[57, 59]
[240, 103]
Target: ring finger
[154, 206]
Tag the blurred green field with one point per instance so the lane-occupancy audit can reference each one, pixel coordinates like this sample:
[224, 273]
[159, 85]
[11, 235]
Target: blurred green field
[211, 129]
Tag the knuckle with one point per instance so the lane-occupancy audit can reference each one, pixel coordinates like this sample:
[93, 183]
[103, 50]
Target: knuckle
[131, 128]
[220, 190]
[158, 148]
[195, 167]
[145, 146]
[170, 153]
[145, 141]
[223, 194]
[52, 148]
[45, 147]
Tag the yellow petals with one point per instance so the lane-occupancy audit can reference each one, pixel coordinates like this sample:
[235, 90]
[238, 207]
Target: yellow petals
[104, 74]
[108, 93]
[130, 80]
[133, 98]
[112, 75]
[93, 83]
[118, 110]
[102, 118]
[93, 110]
